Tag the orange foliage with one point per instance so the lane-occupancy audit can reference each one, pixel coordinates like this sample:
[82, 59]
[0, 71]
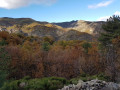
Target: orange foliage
[90, 62]
[64, 59]
[24, 63]
[4, 35]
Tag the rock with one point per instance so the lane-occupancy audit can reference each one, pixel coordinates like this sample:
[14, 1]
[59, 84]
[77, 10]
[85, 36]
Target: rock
[23, 84]
[79, 85]
[111, 86]
[65, 88]
[92, 85]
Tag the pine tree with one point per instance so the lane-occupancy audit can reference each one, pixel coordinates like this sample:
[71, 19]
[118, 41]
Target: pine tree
[112, 30]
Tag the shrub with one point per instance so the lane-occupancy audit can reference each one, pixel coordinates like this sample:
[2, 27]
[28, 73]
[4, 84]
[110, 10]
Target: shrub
[3, 43]
[51, 83]
[3, 76]
[86, 46]
[46, 46]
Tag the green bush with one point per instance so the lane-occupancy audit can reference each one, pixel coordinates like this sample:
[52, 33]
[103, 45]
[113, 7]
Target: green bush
[51, 83]
[103, 77]
[3, 43]
[10, 86]
[4, 63]
[4, 59]
[3, 76]
[86, 46]
[46, 46]
[74, 81]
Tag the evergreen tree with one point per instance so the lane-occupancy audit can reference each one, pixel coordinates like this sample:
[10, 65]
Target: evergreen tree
[112, 30]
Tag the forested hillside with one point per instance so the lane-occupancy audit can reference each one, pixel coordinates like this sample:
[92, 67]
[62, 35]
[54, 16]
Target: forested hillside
[41, 61]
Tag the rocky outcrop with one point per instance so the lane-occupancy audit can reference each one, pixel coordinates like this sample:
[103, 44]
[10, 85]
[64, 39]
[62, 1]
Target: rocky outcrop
[92, 85]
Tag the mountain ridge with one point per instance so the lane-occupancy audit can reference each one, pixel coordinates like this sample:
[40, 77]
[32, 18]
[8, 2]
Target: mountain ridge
[74, 30]
[83, 26]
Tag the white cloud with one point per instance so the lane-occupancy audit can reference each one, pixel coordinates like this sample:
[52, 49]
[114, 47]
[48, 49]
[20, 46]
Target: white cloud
[12, 4]
[107, 17]
[101, 4]
[117, 13]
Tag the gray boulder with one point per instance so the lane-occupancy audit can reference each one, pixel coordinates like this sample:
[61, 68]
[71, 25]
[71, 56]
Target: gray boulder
[92, 85]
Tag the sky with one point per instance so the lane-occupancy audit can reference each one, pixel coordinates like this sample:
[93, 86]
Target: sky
[60, 10]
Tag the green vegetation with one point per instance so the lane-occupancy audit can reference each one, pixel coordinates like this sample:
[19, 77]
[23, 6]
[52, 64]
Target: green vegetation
[3, 43]
[86, 46]
[46, 46]
[4, 59]
[4, 63]
[112, 30]
[3, 76]
[110, 46]
[51, 83]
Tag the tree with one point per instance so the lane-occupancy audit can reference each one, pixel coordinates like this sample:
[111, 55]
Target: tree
[4, 35]
[25, 61]
[4, 59]
[49, 39]
[46, 46]
[4, 65]
[3, 42]
[90, 60]
[112, 31]
[86, 46]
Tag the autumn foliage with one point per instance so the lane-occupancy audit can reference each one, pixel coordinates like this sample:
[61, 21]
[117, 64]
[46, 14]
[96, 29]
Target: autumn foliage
[66, 59]
[43, 57]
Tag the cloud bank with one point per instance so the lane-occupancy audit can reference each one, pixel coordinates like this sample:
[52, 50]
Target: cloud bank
[101, 4]
[107, 17]
[13, 4]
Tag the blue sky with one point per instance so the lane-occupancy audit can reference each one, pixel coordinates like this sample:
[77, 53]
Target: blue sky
[60, 10]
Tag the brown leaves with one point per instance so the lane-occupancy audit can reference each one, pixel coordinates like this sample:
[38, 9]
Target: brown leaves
[64, 59]
[4, 35]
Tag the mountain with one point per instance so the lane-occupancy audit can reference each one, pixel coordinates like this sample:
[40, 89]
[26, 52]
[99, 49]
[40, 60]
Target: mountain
[28, 26]
[93, 28]
[74, 30]
[6, 21]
